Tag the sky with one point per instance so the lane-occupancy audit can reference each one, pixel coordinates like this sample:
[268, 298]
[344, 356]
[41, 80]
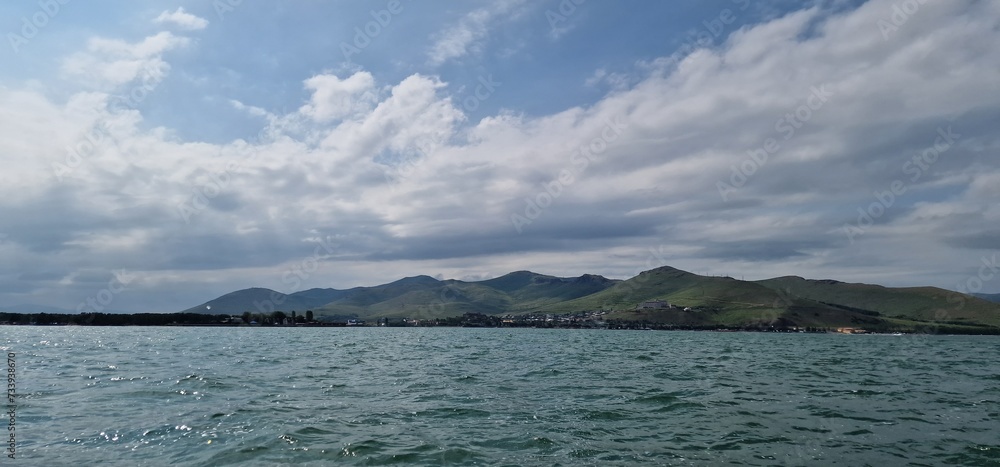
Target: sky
[155, 155]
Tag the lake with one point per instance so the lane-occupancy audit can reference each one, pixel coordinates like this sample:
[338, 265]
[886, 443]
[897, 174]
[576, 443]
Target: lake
[376, 396]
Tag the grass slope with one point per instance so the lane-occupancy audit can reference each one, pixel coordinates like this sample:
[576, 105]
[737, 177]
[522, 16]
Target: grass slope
[235, 303]
[425, 297]
[676, 286]
[445, 298]
[716, 301]
[912, 303]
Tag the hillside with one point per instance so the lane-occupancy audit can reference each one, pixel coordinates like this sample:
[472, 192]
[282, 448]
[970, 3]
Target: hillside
[427, 297]
[697, 301]
[531, 291]
[419, 297]
[995, 298]
[266, 300]
[712, 301]
[915, 303]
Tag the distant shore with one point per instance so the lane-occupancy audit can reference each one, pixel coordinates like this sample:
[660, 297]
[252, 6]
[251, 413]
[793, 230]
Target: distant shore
[469, 320]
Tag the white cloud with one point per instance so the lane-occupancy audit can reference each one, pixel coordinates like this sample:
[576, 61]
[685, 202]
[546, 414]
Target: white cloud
[321, 171]
[616, 81]
[466, 37]
[109, 62]
[413, 112]
[334, 98]
[252, 110]
[183, 19]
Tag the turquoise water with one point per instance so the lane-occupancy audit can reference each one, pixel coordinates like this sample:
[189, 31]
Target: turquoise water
[375, 396]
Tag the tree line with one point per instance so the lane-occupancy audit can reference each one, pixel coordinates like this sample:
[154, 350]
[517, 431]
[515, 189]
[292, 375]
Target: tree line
[276, 318]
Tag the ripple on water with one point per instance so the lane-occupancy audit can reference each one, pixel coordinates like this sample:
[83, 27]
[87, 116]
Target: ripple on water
[323, 396]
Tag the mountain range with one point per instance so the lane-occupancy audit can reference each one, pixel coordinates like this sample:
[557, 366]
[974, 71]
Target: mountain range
[693, 300]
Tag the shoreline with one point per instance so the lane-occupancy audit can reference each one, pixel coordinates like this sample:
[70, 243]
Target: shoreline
[990, 332]
[478, 320]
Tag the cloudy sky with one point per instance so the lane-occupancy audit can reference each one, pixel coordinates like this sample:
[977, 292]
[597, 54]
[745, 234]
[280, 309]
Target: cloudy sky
[159, 154]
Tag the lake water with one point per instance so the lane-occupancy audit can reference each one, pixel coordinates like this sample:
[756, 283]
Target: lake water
[374, 396]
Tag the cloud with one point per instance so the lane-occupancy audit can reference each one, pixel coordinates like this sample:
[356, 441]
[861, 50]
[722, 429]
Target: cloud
[466, 37]
[109, 62]
[390, 178]
[334, 98]
[616, 81]
[252, 110]
[182, 19]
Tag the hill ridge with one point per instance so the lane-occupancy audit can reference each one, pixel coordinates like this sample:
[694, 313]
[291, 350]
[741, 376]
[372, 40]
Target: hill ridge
[790, 300]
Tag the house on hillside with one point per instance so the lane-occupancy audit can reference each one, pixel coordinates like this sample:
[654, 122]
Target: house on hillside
[654, 305]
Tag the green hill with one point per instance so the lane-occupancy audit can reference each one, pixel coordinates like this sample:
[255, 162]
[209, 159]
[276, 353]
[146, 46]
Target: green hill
[426, 301]
[710, 301]
[693, 301]
[529, 291]
[419, 297]
[912, 303]
[429, 298]
[266, 300]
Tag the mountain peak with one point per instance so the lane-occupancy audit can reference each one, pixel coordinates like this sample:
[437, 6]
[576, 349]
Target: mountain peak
[522, 272]
[595, 278]
[667, 270]
[415, 280]
[513, 280]
[825, 281]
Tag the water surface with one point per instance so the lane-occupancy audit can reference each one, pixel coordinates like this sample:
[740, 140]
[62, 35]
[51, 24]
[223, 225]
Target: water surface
[376, 396]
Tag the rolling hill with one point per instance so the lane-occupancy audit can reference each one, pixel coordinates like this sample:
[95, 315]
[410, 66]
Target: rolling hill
[912, 303]
[694, 300]
[418, 297]
[425, 297]
[711, 301]
[260, 300]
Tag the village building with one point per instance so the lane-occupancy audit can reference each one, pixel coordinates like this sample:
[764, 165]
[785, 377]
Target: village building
[654, 305]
